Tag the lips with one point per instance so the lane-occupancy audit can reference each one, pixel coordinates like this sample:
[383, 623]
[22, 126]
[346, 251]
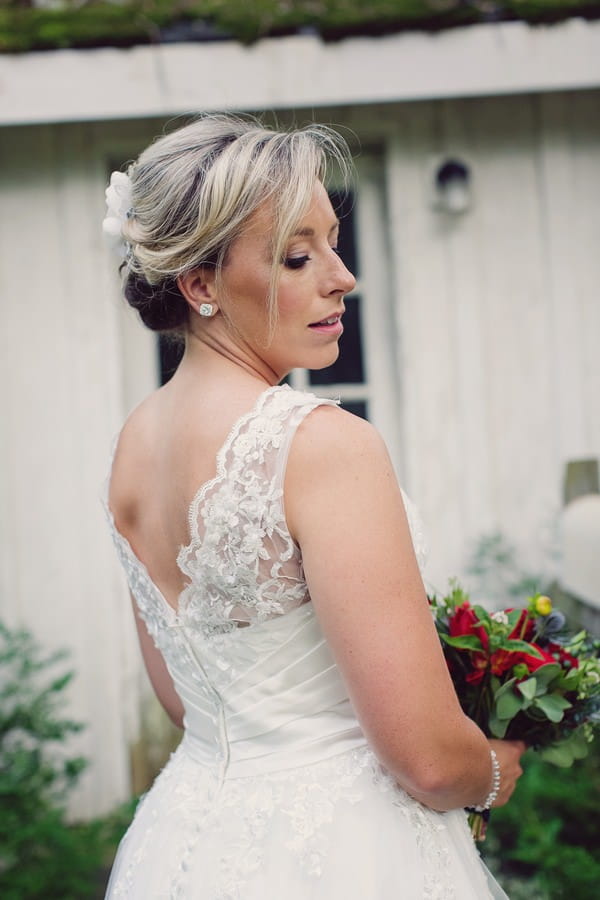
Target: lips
[330, 320]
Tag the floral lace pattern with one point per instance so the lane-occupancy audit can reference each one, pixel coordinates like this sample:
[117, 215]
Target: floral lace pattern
[429, 830]
[299, 807]
[242, 563]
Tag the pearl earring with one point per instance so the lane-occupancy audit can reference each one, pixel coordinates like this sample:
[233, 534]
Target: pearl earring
[207, 310]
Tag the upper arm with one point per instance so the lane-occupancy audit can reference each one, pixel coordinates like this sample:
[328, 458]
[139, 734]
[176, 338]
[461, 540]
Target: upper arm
[157, 672]
[345, 509]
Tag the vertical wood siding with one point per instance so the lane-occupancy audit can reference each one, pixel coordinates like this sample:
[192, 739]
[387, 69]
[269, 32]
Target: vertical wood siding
[499, 316]
[62, 401]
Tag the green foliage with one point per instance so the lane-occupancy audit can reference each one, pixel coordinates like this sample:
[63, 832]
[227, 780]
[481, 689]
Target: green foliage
[85, 23]
[41, 856]
[543, 844]
[549, 832]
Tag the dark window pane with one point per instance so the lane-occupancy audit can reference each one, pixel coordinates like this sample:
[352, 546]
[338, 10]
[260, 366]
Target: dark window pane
[343, 204]
[348, 367]
[170, 351]
[357, 407]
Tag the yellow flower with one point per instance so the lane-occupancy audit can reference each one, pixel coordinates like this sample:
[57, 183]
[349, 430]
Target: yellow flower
[543, 605]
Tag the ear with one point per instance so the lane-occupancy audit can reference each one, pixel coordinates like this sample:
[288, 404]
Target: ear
[198, 287]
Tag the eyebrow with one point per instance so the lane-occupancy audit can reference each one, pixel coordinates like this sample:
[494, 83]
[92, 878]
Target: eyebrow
[310, 232]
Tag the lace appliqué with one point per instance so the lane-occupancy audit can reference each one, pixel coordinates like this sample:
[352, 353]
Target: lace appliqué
[187, 793]
[430, 835]
[302, 800]
[242, 563]
[152, 607]
[315, 806]
[300, 806]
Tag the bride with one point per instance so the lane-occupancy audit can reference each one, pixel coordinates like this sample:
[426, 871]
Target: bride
[277, 594]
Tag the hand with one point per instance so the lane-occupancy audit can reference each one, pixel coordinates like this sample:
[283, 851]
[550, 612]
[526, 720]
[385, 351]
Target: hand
[509, 754]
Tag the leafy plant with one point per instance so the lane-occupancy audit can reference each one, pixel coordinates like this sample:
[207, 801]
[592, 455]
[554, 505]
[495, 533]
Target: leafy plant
[41, 856]
[27, 25]
[546, 838]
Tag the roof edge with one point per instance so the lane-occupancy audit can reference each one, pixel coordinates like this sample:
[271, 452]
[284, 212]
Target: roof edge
[297, 71]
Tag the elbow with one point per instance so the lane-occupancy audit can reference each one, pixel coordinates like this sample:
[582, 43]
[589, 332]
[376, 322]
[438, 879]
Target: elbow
[441, 787]
[424, 774]
[442, 774]
[431, 779]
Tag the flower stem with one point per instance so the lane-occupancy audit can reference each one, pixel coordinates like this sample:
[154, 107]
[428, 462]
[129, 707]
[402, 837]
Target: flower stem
[478, 822]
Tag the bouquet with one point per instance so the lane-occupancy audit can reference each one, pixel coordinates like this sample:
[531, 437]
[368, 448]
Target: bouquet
[520, 676]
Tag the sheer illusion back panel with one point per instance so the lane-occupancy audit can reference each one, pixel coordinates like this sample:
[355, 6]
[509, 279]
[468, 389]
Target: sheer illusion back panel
[242, 563]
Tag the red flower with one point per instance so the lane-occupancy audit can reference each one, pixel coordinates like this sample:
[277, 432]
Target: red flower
[479, 662]
[534, 662]
[524, 627]
[463, 622]
[503, 660]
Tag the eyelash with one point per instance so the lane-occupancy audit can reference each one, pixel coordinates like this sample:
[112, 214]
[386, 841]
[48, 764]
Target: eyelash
[298, 262]
[295, 262]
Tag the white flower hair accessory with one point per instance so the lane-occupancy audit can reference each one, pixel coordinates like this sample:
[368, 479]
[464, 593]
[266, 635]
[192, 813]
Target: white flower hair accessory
[119, 209]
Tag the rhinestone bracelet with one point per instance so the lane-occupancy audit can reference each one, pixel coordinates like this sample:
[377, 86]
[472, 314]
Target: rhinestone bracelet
[495, 784]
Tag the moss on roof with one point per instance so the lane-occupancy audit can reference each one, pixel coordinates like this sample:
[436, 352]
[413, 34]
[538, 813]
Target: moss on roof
[94, 23]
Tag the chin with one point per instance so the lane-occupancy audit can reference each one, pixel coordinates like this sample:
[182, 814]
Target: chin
[323, 360]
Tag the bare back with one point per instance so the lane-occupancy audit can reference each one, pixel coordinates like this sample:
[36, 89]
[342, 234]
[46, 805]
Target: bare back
[166, 451]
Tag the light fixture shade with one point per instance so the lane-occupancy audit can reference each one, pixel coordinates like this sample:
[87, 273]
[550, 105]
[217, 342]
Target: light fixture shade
[452, 186]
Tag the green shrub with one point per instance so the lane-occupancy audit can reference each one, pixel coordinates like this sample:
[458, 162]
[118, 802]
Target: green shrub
[88, 23]
[41, 856]
[549, 832]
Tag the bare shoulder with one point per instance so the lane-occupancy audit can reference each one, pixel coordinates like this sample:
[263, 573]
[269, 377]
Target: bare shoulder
[330, 436]
[335, 458]
[133, 446]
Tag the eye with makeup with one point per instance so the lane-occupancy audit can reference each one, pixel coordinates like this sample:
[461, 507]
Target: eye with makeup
[297, 262]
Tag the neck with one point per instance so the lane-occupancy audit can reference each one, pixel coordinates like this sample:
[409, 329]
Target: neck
[214, 352]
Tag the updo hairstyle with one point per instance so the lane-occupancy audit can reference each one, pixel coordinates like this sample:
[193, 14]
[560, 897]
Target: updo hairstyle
[193, 192]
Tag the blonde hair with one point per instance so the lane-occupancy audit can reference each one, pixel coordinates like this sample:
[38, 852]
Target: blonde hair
[194, 190]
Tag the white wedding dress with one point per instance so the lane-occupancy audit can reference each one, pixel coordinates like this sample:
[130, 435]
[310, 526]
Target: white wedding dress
[273, 791]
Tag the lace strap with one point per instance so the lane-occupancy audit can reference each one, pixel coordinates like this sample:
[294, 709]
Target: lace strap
[290, 416]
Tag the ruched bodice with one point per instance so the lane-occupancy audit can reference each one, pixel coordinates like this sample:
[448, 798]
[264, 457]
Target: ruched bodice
[284, 706]
[273, 790]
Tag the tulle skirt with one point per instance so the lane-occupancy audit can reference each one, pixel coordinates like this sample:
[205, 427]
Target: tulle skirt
[340, 829]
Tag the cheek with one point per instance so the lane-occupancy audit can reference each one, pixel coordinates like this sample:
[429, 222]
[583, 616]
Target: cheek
[289, 301]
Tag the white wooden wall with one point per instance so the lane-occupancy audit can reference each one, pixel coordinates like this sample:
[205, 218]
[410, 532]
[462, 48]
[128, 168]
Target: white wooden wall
[497, 325]
[66, 384]
[498, 316]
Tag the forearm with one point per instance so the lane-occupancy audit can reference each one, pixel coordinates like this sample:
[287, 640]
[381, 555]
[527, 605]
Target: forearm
[452, 773]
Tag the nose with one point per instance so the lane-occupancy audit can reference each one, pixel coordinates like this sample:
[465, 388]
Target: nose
[342, 279]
